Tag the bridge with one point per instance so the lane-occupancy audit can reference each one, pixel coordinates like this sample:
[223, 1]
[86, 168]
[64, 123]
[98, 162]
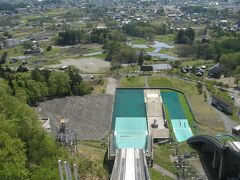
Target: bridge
[220, 155]
[130, 164]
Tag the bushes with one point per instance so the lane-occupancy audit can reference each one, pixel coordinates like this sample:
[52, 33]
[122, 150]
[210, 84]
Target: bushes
[185, 36]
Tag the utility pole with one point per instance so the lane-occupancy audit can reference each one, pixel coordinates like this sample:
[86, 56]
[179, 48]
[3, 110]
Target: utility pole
[60, 169]
[69, 172]
[66, 170]
[75, 171]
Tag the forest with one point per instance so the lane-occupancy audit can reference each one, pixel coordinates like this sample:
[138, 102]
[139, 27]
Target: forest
[27, 151]
[35, 86]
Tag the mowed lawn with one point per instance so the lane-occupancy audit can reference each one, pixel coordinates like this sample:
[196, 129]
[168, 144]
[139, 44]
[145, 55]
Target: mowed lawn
[210, 122]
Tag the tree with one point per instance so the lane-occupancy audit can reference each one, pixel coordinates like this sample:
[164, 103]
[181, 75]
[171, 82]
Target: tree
[36, 90]
[25, 148]
[117, 36]
[237, 75]
[49, 48]
[176, 64]
[186, 51]
[139, 29]
[185, 36]
[13, 158]
[110, 48]
[190, 34]
[84, 89]
[230, 62]
[75, 80]
[59, 84]
[125, 55]
[4, 57]
[27, 44]
[36, 75]
[205, 31]
[204, 50]
[199, 87]
[205, 96]
[22, 69]
[141, 58]
[161, 29]
[193, 70]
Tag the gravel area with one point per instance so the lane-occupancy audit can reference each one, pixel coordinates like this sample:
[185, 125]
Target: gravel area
[89, 116]
[89, 65]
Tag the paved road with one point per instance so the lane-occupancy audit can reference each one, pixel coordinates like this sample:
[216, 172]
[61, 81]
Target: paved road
[164, 171]
[111, 86]
[228, 122]
[146, 81]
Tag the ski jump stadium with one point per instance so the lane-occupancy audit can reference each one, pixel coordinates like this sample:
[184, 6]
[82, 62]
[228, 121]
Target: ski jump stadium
[139, 120]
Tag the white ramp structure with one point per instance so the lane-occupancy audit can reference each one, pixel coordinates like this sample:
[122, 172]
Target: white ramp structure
[130, 164]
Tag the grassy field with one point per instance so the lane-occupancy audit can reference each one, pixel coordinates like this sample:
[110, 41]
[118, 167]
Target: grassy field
[13, 52]
[139, 41]
[161, 156]
[136, 81]
[165, 38]
[155, 175]
[170, 51]
[129, 69]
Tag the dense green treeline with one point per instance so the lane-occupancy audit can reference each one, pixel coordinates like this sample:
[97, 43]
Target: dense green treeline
[120, 53]
[226, 52]
[210, 12]
[27, 152]
[185, 36]
[4, 6]
[32, 87]
[145, 30]
[71, 36]
[101, 36]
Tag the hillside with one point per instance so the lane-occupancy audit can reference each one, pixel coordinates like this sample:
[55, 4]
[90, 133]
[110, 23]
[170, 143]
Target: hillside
[27, 152]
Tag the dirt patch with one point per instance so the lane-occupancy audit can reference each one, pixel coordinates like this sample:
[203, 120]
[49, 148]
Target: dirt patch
[88, 116]
[88, 65]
